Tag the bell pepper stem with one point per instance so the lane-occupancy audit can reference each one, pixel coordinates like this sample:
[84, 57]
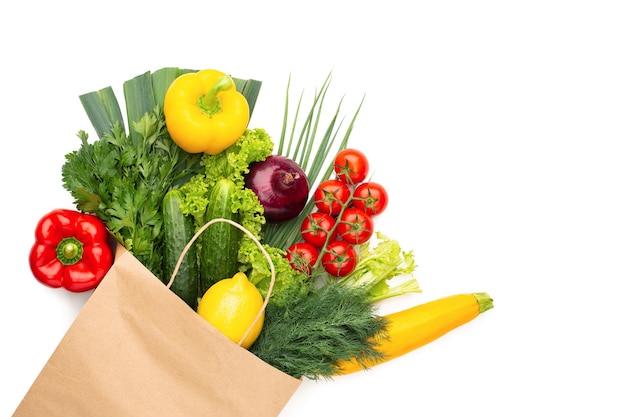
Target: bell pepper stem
[210, 103]
[69, 251]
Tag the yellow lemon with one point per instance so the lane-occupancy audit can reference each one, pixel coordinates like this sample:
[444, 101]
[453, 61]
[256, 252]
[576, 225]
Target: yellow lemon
[231, 305]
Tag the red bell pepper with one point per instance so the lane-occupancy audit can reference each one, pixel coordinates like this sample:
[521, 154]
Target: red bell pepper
[71, 250]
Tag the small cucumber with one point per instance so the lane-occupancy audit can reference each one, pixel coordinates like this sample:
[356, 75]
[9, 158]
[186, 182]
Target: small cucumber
[220, 242]
[179, 230]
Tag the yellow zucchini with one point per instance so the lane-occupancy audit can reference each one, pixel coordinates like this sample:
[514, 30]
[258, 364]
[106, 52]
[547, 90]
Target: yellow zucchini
[416, 326]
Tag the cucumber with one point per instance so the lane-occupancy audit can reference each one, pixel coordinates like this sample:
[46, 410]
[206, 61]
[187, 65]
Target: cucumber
[220, 242]
[178, 230]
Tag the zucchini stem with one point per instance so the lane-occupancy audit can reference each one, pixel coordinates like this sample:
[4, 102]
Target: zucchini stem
[485, 302]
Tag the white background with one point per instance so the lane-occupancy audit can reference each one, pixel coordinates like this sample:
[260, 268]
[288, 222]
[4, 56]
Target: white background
[497, 127]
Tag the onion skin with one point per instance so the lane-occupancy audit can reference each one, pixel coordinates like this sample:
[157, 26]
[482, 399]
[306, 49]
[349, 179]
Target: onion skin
[281, 186]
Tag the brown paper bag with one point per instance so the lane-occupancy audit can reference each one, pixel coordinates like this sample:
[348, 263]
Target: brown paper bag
[136, 349]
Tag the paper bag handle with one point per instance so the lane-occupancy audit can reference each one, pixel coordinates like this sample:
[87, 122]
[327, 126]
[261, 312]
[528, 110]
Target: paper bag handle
[251, 236]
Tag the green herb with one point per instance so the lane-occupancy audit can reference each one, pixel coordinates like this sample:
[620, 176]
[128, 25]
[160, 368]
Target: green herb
[312, 152]
[307, 337]
[123, 180]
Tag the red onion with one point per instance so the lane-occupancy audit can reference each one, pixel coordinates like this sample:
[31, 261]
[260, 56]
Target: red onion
[281, 186]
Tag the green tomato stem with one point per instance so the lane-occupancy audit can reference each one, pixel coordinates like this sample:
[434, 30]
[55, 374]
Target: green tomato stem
[330, 233]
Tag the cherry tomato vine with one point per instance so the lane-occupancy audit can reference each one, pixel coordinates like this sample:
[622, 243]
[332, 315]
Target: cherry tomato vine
[342, 220]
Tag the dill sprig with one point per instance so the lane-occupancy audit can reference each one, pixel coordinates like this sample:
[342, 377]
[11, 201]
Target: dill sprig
[307, 337]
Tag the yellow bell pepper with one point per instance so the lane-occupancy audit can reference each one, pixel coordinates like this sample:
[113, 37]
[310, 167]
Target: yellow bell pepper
[204, 112]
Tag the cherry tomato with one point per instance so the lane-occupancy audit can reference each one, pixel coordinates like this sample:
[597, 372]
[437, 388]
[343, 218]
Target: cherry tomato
[316, 227]
[331, 195]
[302, 256]
[351, 166]
[339, 258]
[370, 197]
[355, 226]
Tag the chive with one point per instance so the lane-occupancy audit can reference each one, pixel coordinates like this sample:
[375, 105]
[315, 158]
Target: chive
[312, 152]
[283, 130]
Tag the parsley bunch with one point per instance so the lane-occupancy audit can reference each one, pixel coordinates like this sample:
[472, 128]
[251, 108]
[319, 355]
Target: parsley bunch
[123, 178]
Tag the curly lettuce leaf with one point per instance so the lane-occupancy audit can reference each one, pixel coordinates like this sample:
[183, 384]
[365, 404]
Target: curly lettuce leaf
[378, 265]
[289, 284]
[255, 145]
